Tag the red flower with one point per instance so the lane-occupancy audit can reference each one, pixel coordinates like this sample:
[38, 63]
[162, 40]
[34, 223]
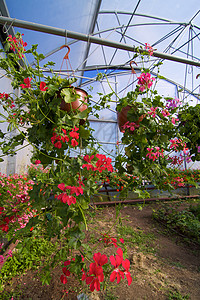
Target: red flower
[4, 95]
[27, 82]
[74, 142]
[96, 271]
[37, 162]
[98, 277]
[126, 266]
[74, 134]
[66, 271]
[58, 145]
[87, 158]
[67, 263]
[100, 259]
[116, 262]
[66, 198]
[63, 279]
[43, 86]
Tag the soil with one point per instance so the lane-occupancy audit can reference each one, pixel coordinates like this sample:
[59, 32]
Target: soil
[171, 271]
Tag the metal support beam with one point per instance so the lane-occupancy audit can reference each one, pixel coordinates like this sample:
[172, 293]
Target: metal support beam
[89, 38]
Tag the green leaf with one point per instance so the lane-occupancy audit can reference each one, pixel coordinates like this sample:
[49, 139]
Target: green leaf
[84, 133]
[67, 96]
[83, 114]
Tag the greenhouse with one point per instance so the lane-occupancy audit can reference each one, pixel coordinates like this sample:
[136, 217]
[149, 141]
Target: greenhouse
[99, 149]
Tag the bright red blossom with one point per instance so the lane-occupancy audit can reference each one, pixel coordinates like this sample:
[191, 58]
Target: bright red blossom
[95, 272]
[43, 86]
[27, 83]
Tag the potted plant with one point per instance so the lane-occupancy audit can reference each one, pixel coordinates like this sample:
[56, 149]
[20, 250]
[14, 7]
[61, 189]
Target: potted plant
[62, 188]
[48, 100]
[151, 136]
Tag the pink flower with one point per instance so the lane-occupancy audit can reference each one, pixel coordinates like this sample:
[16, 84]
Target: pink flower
[27, 82]
[149, 48]
[153, 111]
[145, 81]
[1, 259]
[165, 113]
[37, 162]
[174, 120]
[43, 86]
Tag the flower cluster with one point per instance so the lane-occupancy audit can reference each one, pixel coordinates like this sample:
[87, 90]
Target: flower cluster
[68, 191]
[154, 155]
[73, 137]
[15, 211]
[173, 103]
[145, 81]
[152, 111]
[17, 44]
[103, 163]
[108, 240]
[3, 259]
[66, 272]
[27, 84]
[149, 48]
[178, 144]
[175, 160]
[95, 274]
[8, 102]
[129, 125]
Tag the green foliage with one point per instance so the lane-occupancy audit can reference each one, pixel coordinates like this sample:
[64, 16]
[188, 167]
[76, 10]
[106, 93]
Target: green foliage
[183, 221]
[189, 127]
[176, 295]
[138, 238]
[29, 254]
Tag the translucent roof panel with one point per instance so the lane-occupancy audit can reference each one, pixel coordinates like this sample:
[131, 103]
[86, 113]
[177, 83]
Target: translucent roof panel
[171, 27]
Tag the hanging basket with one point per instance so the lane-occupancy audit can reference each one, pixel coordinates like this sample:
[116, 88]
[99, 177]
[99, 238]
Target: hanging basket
[78, 104]
[122, 116]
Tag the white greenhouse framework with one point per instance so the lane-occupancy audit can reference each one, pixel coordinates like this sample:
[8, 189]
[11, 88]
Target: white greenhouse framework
[103, 36]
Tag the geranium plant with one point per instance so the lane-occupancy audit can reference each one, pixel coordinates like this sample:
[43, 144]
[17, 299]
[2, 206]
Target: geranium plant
[67, 169]
[152, 138]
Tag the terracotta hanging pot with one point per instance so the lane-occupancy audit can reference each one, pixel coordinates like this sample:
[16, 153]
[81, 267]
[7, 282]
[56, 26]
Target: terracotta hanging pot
[78, 104]
[122, 117]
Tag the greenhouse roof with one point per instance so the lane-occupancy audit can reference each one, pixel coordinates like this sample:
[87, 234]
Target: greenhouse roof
[95, 30]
